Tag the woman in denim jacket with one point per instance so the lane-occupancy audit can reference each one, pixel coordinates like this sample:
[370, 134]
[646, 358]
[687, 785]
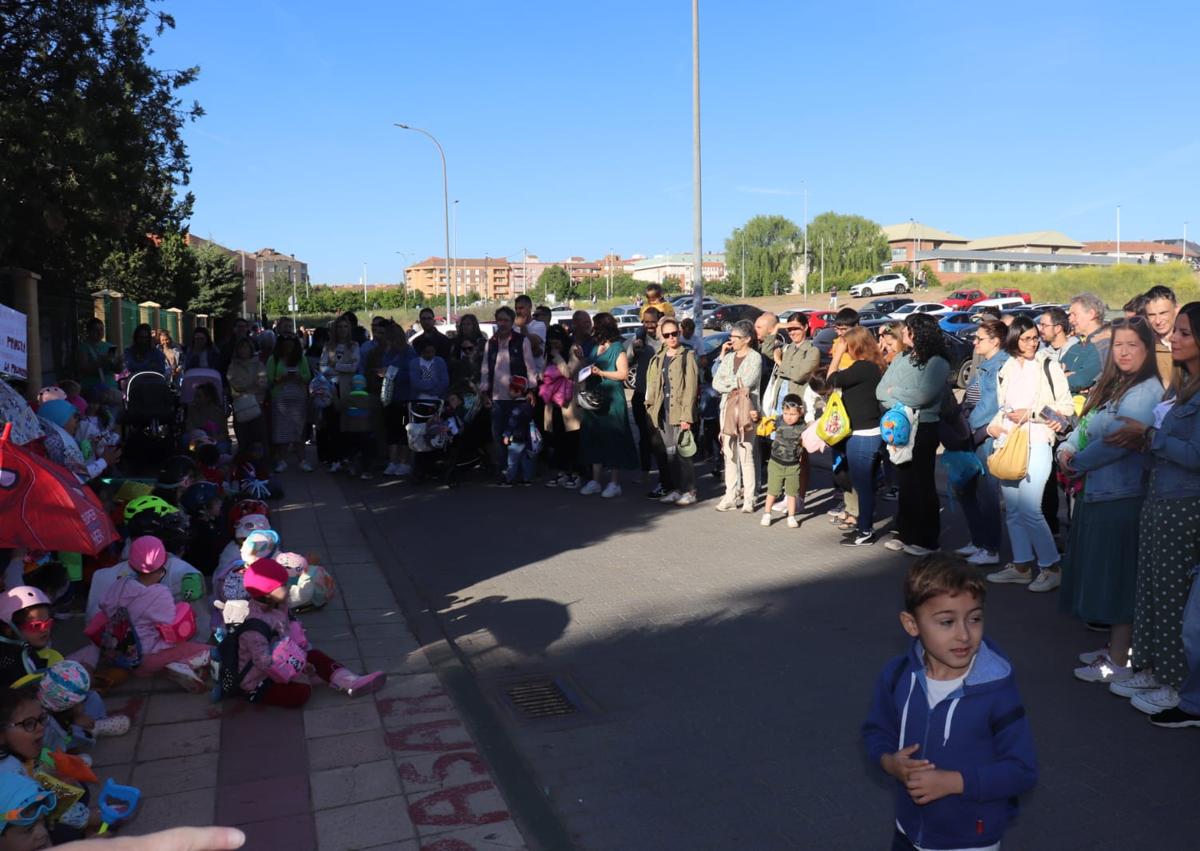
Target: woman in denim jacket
[1099, 578]
[981, 498]
[1169, 541]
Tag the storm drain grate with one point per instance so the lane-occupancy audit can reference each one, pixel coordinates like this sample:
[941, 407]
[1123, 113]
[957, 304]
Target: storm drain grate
[536, 699]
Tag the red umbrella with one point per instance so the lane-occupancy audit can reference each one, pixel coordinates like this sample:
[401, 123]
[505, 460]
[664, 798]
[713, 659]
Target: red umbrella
[44, 507]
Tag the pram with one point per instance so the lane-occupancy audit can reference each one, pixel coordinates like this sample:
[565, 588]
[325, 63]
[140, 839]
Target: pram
[451, 440]
[150, 417]
[193, 378]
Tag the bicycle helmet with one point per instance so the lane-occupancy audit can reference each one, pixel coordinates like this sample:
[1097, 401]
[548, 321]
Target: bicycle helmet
[244, 507]
[197, 496]
[149, 503]
[172, 530]
[16, 599]
[251, 523]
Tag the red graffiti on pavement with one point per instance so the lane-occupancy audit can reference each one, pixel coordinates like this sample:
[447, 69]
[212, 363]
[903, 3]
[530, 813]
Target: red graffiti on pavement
[425, 736]
[435, 701]
[441, 768]
[459, 798]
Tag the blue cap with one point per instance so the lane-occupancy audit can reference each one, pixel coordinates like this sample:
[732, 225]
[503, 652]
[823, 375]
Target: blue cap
[58, 411]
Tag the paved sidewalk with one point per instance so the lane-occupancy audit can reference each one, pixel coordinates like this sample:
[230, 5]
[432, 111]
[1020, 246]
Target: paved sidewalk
[399, 771]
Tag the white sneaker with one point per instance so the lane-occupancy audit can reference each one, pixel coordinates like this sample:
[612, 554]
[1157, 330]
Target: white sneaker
[184, 677]
[673, 496]
[306, 467]
[610, 490]
[571, 483]
[766, 520]
[592, 487]
[895, 545]
[1011, 575]
[984, 557]
[686, 499]
[1103, 670]
[281, 467]
[1047, 580]
[779, 508]
[1142, 681]
[967, 551]
[1154, 702]
[793, 523]
[726, 504]
[1089, 657]
[556, 481]
[917, 550]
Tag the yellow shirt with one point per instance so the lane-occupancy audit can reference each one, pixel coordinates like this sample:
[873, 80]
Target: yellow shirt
[664, 308]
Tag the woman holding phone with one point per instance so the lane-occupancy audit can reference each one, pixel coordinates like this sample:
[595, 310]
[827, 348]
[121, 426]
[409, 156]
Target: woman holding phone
[1031, 393]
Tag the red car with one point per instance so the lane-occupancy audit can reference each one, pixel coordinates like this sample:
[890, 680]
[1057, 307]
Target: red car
[818, 319]
[1012, 292]
[963, 299]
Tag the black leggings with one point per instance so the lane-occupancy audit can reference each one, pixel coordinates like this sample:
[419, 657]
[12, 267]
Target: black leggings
[917, 520]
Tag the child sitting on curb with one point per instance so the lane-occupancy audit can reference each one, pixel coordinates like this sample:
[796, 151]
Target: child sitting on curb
[25, 806]
[268, 634]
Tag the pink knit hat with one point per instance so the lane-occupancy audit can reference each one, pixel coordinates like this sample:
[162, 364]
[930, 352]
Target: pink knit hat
[264, 576]
[147, 554]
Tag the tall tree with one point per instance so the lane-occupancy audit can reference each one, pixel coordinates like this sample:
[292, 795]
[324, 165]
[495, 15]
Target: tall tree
[772, 245]
[555, 281]
[850, 244]
[219, 283]
[91, 150]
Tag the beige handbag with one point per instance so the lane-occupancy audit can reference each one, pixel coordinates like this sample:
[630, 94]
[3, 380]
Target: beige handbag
[1010, 463]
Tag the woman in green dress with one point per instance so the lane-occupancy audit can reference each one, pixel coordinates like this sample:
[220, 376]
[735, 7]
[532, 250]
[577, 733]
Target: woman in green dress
[605, 438]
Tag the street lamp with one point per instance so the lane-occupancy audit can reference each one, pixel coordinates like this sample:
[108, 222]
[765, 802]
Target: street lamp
[445, 199]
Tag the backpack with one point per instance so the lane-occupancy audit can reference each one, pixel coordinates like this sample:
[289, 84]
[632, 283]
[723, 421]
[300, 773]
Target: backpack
[119, 643]
[895, 426]
[227, 674]
[311, 590]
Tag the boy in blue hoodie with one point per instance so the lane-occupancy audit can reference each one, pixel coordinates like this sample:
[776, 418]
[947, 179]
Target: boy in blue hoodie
[946, 719]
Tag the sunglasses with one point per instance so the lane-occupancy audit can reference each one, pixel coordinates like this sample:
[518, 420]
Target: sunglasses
[39, 625]
[1025, 338]
[667, 335]
[30, 724]
[43, 804]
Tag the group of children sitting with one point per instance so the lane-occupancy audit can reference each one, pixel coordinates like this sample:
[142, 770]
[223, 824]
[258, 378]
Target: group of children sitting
[198, 591]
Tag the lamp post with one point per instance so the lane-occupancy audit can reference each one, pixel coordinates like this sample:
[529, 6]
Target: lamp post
[697, 233]
[1118, 234]
[445, 196]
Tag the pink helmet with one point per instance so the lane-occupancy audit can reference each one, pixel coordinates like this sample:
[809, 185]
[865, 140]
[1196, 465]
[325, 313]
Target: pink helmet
[294, 563]
[147, 554]
[16, 599]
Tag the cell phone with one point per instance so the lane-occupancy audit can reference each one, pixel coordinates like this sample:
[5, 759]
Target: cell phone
[1049, 413]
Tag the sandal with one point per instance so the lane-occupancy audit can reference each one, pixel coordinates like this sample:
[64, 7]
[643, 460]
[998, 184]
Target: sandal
[851, 523]
[839, 518]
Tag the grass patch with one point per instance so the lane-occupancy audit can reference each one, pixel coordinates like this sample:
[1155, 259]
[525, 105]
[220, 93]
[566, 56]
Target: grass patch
[1115, 284]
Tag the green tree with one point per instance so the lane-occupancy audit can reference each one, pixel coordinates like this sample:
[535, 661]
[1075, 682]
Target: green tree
[177, 271]
[555, 281]
[92, 152]
[848, 244]
[672, 284]
[624, 285]
[273, 300]
[219, 283]
[772, 245]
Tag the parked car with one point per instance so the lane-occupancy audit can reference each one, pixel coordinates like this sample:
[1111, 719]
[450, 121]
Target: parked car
[962, 299]
[996, 304]
[824, 338]
[625, 309]
[887, 305]
[723, 317]
[889, 282]
[628, 322]
[1011, 292]
[871, 315]
[919, 307]
[683, 307]
[956, 321]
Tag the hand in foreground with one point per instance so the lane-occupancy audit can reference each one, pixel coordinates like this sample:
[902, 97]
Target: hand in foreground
[1131, 435]
[930, 784]
[902, 766]
[176, 839]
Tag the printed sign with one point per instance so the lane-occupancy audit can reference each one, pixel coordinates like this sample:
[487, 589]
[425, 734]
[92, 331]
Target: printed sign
[13, 355]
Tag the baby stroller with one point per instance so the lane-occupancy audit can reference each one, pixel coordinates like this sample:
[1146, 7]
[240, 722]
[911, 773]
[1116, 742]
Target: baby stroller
[193, 378]
[444, 441]
[150, 416]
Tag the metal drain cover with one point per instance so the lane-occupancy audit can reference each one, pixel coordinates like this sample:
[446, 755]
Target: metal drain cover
[543, 697]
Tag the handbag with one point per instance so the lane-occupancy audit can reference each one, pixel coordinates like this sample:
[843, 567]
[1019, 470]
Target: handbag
[738, 421]
[1009, 462]
[834, 424]
[245, 409]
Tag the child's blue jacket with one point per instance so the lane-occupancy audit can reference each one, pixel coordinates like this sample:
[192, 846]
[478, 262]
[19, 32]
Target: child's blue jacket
[979, 730]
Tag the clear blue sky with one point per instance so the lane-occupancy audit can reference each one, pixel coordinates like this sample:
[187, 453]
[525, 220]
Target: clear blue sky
[567, 125]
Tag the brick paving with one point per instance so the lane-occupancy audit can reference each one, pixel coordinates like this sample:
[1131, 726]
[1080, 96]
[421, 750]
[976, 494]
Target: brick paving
[396, 771]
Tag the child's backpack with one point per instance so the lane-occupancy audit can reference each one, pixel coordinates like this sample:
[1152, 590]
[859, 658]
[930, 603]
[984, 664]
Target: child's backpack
[895, 426]
[227, 674]
[312, 588]
[117, 639]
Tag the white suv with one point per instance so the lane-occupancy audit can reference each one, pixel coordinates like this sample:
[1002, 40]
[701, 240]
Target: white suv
[880, 285]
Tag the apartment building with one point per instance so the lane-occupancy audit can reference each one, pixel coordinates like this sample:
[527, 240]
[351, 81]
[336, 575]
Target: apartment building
[491, 277]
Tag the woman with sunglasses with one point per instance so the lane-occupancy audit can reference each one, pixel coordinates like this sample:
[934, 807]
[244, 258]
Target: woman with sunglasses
[672, 388]
[1032, 394]
[739, 371]
[1099, 569]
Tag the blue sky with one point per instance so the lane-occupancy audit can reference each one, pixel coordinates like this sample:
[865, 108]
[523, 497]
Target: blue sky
[567, 125]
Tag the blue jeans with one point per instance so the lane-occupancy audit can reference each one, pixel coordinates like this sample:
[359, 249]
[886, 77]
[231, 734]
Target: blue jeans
[1189, 692]
[1027, 528]
[862, 454]
[520, 463]
[981, 506]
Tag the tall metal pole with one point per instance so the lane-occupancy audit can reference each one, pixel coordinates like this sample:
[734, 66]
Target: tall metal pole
[364, 280]
[445, 193]
[806, 243]
[1118, 234]
[743, 264]
[697, 220]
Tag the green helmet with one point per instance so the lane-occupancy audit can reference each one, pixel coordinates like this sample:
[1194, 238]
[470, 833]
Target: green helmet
[148, 503]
